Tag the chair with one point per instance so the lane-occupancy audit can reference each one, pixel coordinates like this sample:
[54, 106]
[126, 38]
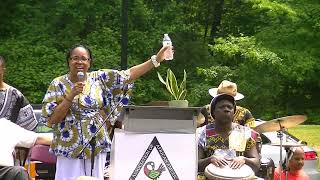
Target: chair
[45, 162]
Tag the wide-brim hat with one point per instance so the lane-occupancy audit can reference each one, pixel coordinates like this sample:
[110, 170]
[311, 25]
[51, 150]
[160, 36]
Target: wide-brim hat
[226, 87]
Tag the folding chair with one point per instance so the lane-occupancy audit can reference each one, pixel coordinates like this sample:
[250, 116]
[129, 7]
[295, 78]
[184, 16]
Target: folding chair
[45, 162]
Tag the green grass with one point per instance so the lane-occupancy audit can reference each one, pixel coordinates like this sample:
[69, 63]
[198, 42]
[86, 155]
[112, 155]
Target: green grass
[308, 133]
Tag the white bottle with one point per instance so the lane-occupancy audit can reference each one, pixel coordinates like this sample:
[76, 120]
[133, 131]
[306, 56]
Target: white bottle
[167, 42]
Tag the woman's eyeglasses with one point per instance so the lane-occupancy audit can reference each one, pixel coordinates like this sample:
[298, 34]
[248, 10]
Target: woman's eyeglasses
[78, 59]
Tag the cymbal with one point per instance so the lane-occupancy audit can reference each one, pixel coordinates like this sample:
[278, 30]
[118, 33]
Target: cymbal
[279, 123]
[287, 144]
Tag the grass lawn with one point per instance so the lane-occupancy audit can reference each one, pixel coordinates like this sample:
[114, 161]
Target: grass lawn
[308, 133]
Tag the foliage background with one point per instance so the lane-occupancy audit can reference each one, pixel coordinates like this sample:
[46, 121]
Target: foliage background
[269, 48]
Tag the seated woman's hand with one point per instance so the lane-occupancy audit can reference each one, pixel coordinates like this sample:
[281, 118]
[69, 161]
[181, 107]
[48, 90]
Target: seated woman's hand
[237, 162]
[218, 161]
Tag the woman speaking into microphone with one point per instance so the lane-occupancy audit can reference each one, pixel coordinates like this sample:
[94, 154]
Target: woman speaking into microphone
[76, 104]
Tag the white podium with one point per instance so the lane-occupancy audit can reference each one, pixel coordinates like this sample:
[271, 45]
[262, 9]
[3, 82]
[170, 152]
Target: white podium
[157, 143]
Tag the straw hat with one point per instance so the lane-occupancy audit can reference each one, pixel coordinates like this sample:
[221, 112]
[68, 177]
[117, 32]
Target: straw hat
[226, 87]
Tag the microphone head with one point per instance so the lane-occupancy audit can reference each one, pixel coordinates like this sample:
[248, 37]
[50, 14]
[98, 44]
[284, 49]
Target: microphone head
[80, 76]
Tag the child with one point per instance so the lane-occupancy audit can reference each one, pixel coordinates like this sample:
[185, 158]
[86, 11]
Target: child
[296, 162]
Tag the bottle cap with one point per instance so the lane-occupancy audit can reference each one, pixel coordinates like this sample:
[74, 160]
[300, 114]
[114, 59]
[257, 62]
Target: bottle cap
[166, 37]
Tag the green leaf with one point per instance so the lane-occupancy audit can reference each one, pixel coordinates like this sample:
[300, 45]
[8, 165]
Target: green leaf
[168, 83]
[184, 81]
[161, 79]
[182, 95]
[173, 84]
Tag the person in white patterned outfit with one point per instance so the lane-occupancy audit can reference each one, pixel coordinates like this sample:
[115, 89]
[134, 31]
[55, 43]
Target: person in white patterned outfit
[14, 106]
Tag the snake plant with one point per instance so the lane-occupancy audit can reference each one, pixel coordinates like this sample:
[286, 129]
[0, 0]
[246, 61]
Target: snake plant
[177, 92]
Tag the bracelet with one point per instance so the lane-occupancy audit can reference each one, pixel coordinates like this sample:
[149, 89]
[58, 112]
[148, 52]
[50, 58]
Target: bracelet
[154, 61]
[68, 99]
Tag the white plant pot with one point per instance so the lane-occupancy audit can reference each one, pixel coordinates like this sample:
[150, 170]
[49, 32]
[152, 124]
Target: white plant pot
[179, 103]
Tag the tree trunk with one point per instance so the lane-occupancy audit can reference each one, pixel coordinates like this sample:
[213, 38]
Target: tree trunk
[208, 4]
[217, 14]
[124, 35]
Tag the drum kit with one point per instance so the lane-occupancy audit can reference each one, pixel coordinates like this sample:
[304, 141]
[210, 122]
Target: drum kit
[280, 125]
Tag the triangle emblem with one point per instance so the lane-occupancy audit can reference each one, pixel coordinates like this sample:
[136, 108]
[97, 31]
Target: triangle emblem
[153, 173]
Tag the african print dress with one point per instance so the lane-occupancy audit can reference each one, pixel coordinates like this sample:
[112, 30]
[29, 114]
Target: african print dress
[16, 108]
[102, 92]
[212, 141]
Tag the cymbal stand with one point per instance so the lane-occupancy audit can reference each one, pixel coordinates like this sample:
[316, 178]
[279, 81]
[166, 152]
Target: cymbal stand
[287, 162]
[280, 135]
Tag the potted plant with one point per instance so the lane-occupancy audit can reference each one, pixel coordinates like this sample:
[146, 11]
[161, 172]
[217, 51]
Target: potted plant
[178, 93]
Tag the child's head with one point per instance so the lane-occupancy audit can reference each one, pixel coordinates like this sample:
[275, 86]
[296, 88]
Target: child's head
[296, 159]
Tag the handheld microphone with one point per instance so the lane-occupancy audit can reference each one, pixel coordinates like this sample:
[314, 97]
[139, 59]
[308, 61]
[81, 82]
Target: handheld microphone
[80, 76]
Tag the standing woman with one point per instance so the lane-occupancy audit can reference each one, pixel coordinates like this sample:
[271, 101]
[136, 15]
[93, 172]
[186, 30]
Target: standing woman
[13, 104]
[75, 106]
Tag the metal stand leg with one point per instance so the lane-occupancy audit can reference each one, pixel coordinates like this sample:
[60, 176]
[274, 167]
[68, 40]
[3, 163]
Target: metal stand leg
[287, 162]
[280, 135]
[93, 147]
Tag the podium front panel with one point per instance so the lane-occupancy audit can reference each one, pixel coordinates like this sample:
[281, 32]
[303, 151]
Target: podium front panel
[154, 155]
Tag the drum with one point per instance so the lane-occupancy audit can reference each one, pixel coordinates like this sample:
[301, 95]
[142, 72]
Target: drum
[213, 172]
[266, 169]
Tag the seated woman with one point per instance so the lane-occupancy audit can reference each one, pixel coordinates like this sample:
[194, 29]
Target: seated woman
[295, 165]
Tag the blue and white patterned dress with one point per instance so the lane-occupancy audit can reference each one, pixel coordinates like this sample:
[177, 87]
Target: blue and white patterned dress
[103, 90]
